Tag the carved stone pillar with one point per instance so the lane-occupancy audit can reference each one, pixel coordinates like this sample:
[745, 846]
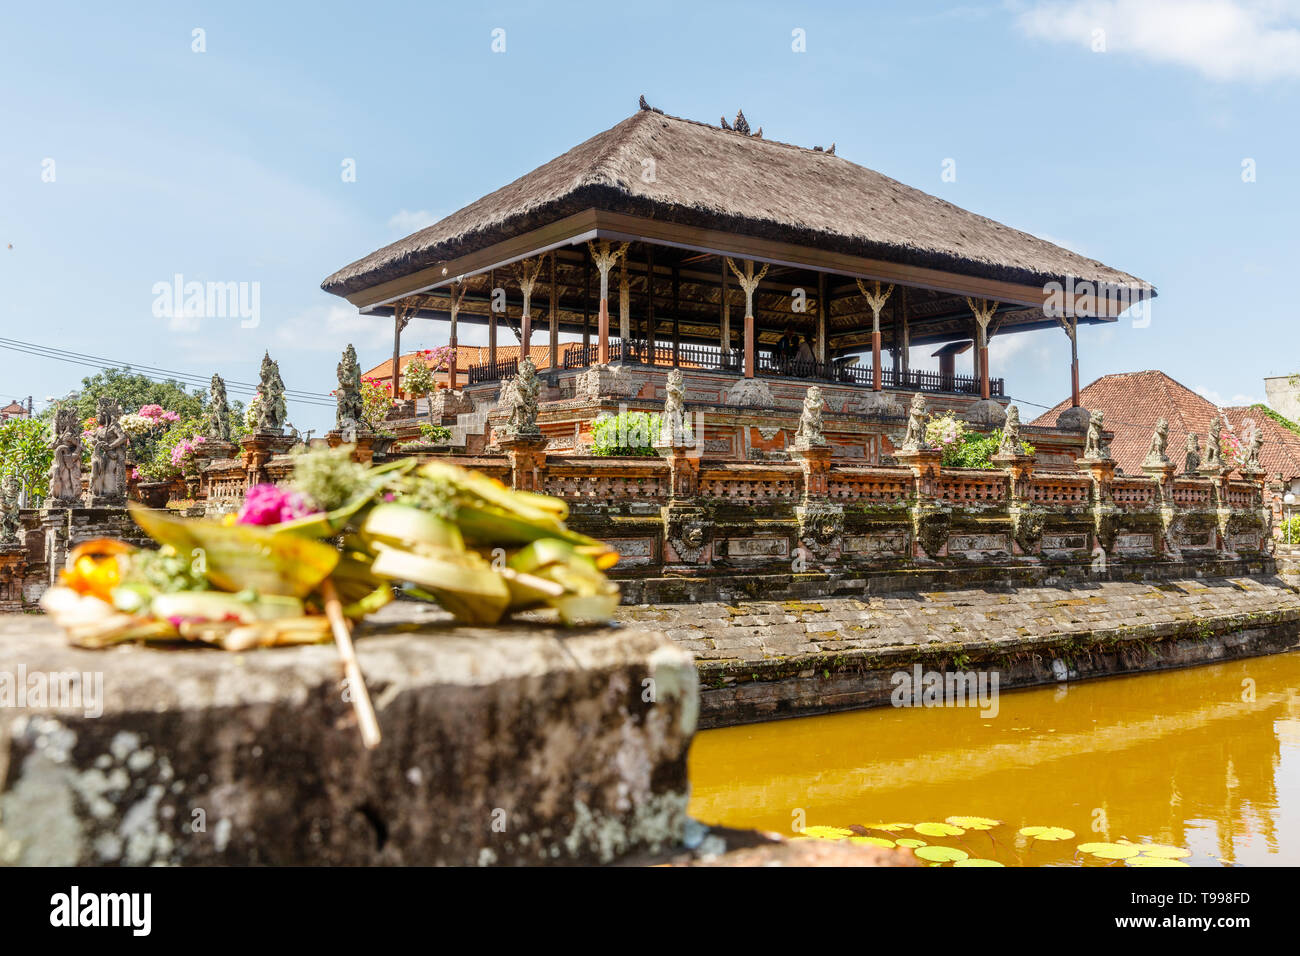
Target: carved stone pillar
[527, 454]
[683, 470]
[816, 462]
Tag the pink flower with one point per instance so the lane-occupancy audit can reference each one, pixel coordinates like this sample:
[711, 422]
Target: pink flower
[170, 417]
[271, 504]
[151, 411]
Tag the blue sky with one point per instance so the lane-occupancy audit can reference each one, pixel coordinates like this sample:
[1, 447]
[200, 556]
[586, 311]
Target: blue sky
[225, 165]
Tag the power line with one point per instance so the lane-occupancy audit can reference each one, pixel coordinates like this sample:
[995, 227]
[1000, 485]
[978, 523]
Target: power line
[152, 372]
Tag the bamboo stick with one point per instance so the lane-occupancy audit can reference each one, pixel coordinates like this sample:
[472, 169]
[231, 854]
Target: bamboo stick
[365, 711]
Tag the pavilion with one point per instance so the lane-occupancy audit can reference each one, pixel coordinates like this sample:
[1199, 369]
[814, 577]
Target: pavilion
[707, 244]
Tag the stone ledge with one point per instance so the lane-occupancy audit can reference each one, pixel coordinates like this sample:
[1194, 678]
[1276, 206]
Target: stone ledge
[543, 733]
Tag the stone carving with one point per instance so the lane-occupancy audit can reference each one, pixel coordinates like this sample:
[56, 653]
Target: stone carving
[1027, 527]
[108, 451]
[1156, 457]
[876, 403]
[1213, 450]
[271, 409]
[606, 381]
[931, 531]
[1073, 419]
[519, 395]
[10, 523]
[1095, 446]
[1010, 444]
[65, 470]
[820, 527]
[687, 531]
[1252, 465]
[349, 412]
[751, 393]
[986, 412]
[1192, 455]
[809, 433]
[673, 428]
[914, 440]
[216, 420]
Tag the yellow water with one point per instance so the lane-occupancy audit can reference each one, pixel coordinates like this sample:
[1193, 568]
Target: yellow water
[1207, 759]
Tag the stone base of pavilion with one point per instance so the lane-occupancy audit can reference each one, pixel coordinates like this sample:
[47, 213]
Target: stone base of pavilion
[736, 418]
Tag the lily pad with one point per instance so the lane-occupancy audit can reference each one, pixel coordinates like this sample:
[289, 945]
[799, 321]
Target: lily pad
[1049, 834]
[1109, 851]
[1153, 861]
[974, 823]
[978, 862]
[871, 841]
[940, 854]
[1162, 850]
[910, 843]
[938, 829]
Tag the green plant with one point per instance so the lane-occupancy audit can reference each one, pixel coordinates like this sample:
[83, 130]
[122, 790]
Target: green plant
[435, 434]
[23, 452]
[1289, 530]
[175, 452]
[627, 433]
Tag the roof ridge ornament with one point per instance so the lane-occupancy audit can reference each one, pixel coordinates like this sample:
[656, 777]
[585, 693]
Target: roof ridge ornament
[647, 107]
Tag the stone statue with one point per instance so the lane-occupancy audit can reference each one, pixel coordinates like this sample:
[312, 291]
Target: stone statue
[350, 411]
[1252, 465]
[522, 392]
[1192, 455]
[672, 424]
[271, 410]
[10, 524]
[1010, 444]
[1095, 446]
[108, 451]
[809, 434]
[217, 417]
[915, 437]
[1156, 456]
[65, 470]
[1213, 451]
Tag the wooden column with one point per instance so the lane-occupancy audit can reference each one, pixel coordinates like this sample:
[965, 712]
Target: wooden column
[586, 309]
[527, 280]
[650, 303]
[749, 281]
[984, 310]
[677, 330]
[492, 318]
[876, 300]
[554, 318]
[823, 325]
[1074, 361]
[401, 316]
[906, 330]
[604, 258]
[456, 293]
[724, 313]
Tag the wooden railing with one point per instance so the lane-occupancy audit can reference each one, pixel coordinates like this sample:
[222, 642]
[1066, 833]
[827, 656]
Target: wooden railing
[493, 371]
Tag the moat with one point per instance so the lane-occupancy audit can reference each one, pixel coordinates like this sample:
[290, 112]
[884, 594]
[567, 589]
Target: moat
[1206, 759]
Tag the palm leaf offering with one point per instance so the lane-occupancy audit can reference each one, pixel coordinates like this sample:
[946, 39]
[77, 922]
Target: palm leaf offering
[436, 531]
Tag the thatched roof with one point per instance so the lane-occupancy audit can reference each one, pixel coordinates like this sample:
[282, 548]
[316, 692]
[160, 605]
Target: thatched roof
[710, 177]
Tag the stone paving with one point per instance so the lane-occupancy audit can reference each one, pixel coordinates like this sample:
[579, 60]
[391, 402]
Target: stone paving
[973, 618]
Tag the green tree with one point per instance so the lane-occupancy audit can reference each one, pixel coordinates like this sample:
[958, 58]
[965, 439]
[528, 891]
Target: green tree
[23, 452]
[134, 390]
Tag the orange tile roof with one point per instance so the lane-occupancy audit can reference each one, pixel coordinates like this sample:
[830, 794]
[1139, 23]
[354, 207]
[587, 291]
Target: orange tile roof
[1134, 401]
[467, 355]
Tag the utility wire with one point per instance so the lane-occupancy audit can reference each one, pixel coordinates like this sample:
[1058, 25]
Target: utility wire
[152, 372]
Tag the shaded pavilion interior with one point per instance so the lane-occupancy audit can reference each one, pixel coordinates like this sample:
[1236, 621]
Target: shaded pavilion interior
[661, 272]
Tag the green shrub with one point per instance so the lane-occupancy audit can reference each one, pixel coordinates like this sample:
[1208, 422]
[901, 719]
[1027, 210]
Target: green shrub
[627, 433]
[435, 434]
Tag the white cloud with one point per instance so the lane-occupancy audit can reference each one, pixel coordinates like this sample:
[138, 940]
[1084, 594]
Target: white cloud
[331, 328]
[1224, 40]
[1234, 401]
[406, 221]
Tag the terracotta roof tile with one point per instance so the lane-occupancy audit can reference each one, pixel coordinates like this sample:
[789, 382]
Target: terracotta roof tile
[1134, 401]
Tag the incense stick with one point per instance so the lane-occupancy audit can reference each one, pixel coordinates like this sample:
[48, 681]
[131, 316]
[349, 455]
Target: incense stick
[365, 711]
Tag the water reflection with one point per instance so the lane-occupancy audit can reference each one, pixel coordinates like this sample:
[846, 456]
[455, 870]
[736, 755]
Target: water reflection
[1206, 758]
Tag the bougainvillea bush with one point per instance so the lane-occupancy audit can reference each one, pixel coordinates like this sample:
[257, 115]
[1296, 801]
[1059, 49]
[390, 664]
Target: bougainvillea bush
[962, 446]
